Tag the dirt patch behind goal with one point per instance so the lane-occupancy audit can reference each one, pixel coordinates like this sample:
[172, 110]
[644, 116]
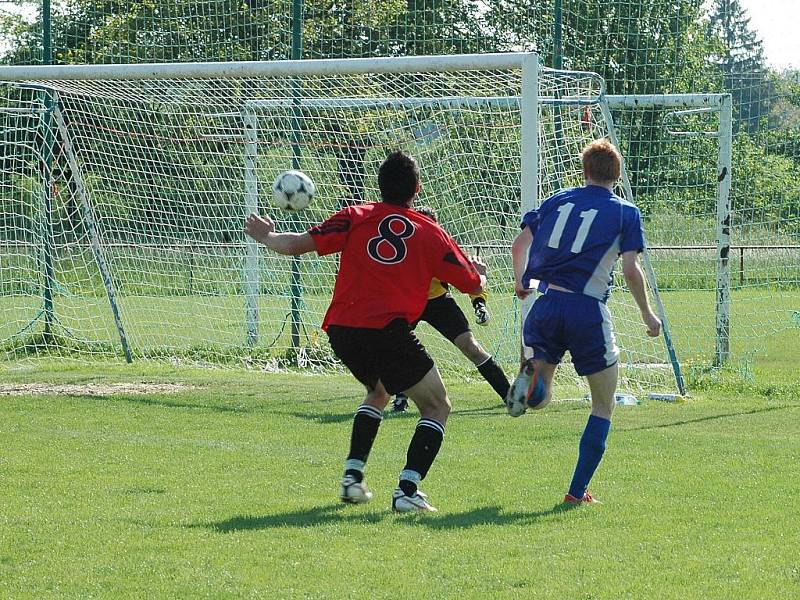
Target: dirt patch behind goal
[91, 389]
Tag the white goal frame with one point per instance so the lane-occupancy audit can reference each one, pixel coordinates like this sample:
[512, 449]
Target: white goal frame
[529, 101]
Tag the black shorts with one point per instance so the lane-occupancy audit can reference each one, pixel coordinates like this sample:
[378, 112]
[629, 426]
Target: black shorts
[445, 316]
[392, 355]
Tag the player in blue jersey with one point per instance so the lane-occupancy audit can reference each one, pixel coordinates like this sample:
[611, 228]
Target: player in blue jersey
[570, 245]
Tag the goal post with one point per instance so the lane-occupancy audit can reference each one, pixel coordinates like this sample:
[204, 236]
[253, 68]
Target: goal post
[174, 156]
[722, 132]
[138, 133]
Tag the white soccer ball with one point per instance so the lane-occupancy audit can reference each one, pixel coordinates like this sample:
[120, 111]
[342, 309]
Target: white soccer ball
[293, 190]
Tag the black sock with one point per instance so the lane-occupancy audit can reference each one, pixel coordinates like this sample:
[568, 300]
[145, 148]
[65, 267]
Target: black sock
[409, 487]
[424, 447]
[365, 428]
[492, 373]
[355, 474]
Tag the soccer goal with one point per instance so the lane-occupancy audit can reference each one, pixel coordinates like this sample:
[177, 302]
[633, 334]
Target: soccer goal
[125, 188]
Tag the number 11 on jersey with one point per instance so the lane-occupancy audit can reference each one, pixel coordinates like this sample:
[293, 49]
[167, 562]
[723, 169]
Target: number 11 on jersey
[587, 216]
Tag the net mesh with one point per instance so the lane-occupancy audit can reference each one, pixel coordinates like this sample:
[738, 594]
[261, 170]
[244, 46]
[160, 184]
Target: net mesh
[154, 179]
[658, 46]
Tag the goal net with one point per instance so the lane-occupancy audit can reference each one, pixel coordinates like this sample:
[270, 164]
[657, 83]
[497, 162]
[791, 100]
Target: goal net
[127, 188]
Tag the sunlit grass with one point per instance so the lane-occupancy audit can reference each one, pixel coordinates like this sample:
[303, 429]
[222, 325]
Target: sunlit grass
[228, 489]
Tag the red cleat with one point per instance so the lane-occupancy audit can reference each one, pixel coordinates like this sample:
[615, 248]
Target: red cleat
[587, 499]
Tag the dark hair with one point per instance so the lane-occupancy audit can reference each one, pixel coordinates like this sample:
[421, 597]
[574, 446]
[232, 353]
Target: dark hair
[601, 161]
[398, 178]
[428, 212]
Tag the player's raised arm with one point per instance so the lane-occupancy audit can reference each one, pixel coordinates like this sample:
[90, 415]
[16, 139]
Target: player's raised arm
[262, 230]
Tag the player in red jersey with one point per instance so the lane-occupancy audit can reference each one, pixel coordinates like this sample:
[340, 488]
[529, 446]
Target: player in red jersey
[389, 254]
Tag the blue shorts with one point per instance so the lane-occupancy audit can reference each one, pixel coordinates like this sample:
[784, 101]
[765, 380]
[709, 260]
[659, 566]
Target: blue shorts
[560, 321]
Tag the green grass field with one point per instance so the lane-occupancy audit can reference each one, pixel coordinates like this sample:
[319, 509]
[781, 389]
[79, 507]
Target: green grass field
[228, 488]
[183, 323]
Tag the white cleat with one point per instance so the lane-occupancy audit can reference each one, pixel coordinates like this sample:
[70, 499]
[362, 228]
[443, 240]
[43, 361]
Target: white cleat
[416, 503]
[354, 492]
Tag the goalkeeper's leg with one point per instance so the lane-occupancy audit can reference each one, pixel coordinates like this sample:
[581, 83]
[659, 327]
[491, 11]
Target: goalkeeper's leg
[487, 367]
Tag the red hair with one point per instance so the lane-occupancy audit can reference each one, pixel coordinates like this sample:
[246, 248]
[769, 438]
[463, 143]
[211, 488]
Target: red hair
[601, 161]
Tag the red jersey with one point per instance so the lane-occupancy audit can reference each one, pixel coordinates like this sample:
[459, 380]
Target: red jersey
[389, 256]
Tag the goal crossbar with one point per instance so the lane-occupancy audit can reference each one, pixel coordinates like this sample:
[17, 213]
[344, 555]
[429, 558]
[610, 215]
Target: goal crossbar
[281, 68]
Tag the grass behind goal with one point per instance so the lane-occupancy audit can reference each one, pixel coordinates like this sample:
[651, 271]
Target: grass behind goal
[210, 329]
[228, 489]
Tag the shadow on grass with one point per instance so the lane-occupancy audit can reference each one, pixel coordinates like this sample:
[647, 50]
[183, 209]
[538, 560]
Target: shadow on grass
[318, 515]
[740, 413]
[176, 404]
[324, 418]
[145, 401]
[340, 513]
[135, 491]
[276, 407]
[487, 515]
[327, 418]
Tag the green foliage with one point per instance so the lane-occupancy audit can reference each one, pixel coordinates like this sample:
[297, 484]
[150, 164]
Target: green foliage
[638, 47]
[765, 188]
[782, 132]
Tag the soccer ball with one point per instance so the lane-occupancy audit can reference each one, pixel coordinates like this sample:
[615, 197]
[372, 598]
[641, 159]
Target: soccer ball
[293, 190]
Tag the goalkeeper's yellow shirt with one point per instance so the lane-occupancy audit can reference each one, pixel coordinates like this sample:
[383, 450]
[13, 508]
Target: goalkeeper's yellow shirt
[437, 289]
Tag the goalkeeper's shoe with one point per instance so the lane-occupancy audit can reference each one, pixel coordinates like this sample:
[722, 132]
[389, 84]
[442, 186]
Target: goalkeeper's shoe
[353, 491]
[400, 403]
[528, 390]
[481, 312]
[416, 503]
[586, 499]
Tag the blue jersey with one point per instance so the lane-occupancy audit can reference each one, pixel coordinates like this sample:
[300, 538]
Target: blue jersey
[578, 235]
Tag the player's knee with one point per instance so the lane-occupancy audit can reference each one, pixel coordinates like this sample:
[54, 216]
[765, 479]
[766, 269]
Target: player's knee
[443, 406]
[379, 398]
[470, 348]
[434, 405]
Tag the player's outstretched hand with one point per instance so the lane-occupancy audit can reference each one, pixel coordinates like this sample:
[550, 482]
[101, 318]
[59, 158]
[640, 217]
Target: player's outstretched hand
[259, 228]
[480, 266]
[653, 324]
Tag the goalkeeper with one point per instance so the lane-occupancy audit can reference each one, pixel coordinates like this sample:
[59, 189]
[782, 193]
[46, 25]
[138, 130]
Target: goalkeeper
[445, 316]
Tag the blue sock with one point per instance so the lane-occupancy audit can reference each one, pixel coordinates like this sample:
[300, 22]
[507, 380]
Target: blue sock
[590, 451]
